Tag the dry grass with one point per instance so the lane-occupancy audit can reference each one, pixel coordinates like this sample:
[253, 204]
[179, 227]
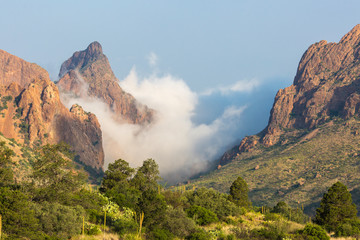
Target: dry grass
[107, 236]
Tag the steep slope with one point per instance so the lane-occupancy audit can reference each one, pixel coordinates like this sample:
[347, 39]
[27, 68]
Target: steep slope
[312, 137]
[326, 85]
[32, 114]
[88, 73]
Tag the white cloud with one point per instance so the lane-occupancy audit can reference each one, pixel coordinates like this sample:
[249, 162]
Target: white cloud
[180, 147]
[239, 86]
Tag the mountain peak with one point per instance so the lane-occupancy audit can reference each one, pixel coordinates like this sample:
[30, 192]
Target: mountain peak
[81, 59]
[94, 48]
[352, 36]
[89, 72]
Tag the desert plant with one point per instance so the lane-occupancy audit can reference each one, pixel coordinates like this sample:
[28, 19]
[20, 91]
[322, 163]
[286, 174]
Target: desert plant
[336, 207]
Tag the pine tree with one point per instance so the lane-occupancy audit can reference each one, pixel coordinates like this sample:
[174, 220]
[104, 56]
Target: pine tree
[336, 207]
[239, 193]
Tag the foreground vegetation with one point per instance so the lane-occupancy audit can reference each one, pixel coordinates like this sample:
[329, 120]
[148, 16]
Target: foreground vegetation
[56, 202]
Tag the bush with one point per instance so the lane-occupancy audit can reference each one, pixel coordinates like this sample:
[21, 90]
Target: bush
[266, 233]
[58, 220]
[214, 201]
[92, 229]
[160, 234]
[178, 223]
[199, 234]
[314, 232]
[202, 216]
[295, 215]
[349, 228]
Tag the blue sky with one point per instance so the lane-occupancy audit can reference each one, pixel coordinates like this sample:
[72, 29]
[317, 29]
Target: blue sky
[216, 47]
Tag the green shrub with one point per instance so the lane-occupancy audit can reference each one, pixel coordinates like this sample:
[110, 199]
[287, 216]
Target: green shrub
[58, 220]
[92, 229]
[295, 215]
[272, 217]
[178, 223]
[160, 234]
[202, 216]
[266, 233]
[214, 201]
[199, 234]
[314, 232]
[349, 228]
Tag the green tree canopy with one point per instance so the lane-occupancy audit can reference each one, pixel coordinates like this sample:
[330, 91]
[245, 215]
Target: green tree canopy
[147, 176]
[116, 184]
[239, 193]
[336, 207]
[6, 173]
[55, 177]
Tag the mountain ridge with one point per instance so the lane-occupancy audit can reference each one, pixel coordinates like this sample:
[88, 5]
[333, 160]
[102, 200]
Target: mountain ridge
[325, 85]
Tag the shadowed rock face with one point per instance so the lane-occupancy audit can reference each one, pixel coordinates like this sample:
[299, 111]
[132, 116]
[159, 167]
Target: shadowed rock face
[88, 73]
[326, 85]
[31, 112]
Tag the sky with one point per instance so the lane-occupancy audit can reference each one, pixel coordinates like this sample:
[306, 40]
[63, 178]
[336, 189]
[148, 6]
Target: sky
[227, 56]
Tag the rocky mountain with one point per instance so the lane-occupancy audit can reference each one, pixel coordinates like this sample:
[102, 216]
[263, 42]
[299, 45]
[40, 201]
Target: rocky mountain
[312, 137]
[326, 85]
[31, 112]
[88, 73]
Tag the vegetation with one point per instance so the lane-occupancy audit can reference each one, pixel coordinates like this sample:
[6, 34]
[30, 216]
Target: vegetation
[292, 171]
[56, 202]
[336, 208]
[239, 193]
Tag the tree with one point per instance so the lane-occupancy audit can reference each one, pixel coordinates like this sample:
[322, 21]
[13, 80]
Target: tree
[6, 174]
[55, 177]
[212, 200]
[116, 184]
[239, 193]
[336, 207]
[18, 218]
[147, 176]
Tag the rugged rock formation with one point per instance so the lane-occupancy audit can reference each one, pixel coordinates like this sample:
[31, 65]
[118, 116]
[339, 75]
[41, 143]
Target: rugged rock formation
[326, 86]
[88, 73]
[31, 112]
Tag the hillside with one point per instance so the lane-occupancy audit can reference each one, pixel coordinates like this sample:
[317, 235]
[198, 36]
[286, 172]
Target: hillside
[299, 171]
[311, 140]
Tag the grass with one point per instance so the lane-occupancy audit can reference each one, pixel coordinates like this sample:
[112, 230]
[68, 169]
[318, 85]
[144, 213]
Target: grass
[298, 172]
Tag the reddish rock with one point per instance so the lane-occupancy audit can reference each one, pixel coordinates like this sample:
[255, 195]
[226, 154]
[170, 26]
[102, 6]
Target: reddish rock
[35, 115]
[88, 73]
[326, 85]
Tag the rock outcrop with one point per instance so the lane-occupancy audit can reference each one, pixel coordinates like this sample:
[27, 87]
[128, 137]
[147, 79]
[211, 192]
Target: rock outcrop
[88, 73]
[326, 86]
[31, 112]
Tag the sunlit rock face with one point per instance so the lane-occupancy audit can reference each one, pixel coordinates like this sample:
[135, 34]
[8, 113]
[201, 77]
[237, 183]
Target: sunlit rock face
[88, 74]
[32, 113]
[326, 85]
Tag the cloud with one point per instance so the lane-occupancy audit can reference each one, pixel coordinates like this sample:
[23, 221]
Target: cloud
[180, 147]
[239, 86]
[152, 59]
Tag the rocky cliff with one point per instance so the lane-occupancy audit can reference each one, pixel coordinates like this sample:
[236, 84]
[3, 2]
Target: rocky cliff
[326, 86]
[31, 112]
[88, 73]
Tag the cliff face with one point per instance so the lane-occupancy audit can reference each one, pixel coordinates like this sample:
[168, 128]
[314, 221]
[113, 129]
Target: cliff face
[326, 85]
[88, 73]
[31, 112]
